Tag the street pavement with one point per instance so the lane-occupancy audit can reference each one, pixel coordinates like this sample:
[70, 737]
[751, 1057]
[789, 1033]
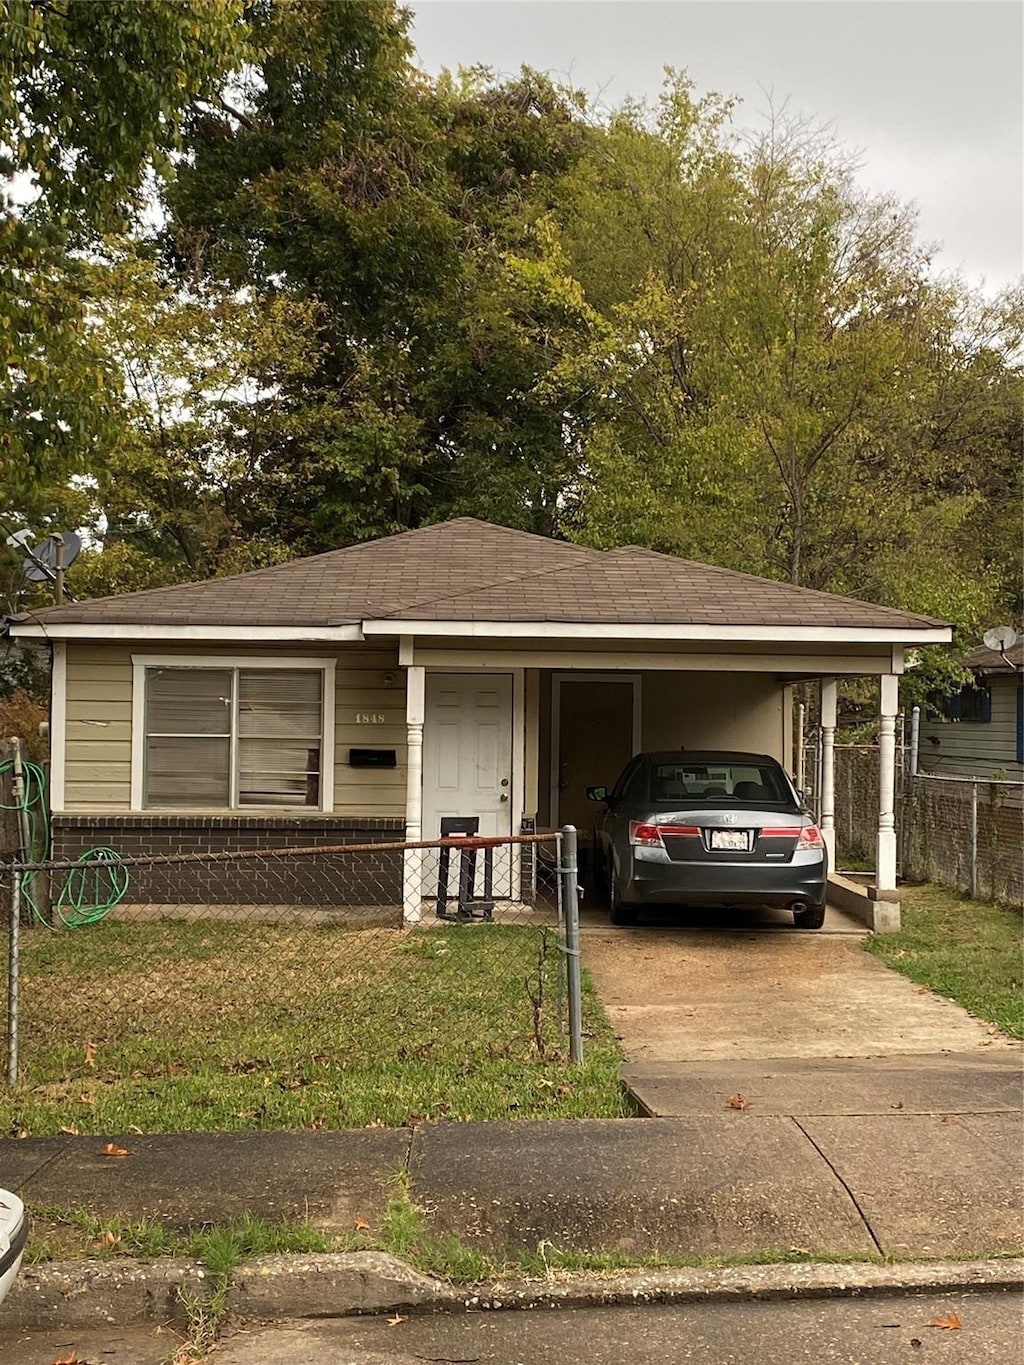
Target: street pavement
[872, 1331]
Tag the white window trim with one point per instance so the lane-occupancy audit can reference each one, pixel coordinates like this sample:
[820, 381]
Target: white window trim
[140, 662]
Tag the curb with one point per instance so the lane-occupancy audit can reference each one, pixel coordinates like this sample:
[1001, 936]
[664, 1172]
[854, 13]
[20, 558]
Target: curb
[81, 1294]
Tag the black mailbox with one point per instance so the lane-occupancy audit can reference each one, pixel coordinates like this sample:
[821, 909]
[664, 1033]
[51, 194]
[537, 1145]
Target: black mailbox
[372, 758]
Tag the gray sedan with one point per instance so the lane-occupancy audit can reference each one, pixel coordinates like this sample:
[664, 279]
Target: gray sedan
[708, 827]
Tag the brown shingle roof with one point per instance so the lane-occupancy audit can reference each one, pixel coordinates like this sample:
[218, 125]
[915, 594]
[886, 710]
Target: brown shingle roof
[982, 659]
[469, 570]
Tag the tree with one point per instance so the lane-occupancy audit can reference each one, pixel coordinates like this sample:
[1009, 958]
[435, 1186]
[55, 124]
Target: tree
[410, 216]
[92, 99]
[780, 385]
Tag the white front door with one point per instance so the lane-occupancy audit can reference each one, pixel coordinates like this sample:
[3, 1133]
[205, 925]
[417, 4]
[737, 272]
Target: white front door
[467, 758]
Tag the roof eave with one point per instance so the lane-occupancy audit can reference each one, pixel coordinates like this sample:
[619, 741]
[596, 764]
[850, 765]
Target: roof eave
[349, 632]
[925, 634]
[220, 634]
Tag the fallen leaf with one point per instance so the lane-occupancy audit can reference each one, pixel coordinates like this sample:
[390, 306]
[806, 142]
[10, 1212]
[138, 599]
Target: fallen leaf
[923, 990]
[948, 1118]
[107, 1242]
[112, 1149]
[69, 1129]
[950, 1322]
[393, 1322]
[736, 1102]
[362, 1225]
[90, 1053]
[73, 1359]
[134, 1128]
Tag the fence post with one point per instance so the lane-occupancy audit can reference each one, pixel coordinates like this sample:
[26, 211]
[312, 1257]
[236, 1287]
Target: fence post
[915, 739]
[18, 798]
[13, 975]
[974, 841]
[569, 873]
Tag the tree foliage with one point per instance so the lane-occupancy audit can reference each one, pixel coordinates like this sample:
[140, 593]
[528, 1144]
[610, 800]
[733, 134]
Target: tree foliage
[268, 289]
[92, 101]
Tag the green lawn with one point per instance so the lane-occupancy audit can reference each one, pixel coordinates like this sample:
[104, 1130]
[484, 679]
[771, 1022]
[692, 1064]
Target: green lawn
[174, 1027]
[970, 951]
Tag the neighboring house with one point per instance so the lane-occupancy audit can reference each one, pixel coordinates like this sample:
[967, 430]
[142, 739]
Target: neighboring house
[981, 730]
[463, 668]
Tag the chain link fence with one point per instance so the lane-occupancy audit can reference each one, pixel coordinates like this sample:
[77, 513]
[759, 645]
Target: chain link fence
[962, 832]
[967, 834]
[291, 968]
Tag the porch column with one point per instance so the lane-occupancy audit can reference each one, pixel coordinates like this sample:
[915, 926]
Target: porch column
[412, 859]
[828, 768]
[885, 848]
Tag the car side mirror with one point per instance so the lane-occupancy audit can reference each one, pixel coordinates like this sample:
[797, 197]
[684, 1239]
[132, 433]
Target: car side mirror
[597, 793]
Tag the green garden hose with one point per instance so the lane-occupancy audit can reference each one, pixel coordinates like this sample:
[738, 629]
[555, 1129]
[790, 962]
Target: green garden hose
[88, 893]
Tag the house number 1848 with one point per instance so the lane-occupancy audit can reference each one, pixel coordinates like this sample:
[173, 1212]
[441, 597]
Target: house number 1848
[369, 718]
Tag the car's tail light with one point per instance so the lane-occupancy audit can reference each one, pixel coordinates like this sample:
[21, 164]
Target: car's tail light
[806, 836]
[642, 835]
[810, 837]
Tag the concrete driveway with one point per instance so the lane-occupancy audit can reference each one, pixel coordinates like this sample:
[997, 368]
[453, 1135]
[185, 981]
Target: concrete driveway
[688, 986]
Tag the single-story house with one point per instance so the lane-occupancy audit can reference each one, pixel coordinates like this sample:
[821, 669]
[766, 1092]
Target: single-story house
[460, 669]
[980, 731]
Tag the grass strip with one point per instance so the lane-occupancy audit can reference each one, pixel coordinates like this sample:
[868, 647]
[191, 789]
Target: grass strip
[179, 1027]
[969, 951]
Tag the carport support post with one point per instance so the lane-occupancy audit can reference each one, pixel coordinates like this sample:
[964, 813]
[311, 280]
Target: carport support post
[827, 802]
[885, 854]
[412, 858]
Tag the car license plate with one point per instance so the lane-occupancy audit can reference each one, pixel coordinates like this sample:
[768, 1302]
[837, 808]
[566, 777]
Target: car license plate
[730, 838]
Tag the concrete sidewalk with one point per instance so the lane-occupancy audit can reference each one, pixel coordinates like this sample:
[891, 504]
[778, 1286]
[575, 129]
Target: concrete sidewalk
[919, 1156]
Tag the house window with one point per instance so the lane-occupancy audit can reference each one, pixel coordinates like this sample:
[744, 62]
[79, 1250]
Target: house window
[971, 703]
[233, 737]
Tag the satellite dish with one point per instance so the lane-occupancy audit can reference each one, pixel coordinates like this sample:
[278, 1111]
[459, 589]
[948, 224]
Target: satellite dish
[40, 563]
[1000, 638]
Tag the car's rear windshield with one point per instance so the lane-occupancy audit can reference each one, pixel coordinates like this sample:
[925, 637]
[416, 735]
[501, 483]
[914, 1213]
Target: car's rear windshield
[679, 780]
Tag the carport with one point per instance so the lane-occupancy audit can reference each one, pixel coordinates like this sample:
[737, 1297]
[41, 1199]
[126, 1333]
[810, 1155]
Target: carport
[611, 652]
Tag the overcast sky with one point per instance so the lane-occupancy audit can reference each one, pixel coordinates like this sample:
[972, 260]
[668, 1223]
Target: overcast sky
[928, 91]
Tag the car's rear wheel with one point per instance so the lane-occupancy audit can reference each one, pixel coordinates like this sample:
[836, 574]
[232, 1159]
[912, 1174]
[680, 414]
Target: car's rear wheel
[813, 917]
[618, 911]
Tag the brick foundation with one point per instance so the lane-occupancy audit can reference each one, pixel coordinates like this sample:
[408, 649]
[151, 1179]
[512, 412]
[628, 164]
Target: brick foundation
[336, 879]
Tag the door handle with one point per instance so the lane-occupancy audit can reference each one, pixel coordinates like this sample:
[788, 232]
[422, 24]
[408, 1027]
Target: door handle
[504, 796]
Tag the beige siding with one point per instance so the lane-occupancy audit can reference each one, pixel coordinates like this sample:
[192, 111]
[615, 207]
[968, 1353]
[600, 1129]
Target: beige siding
[98, 761]
[713, 711]
[369, 680]
[99, 718]
[696, 709]
[972, 748]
